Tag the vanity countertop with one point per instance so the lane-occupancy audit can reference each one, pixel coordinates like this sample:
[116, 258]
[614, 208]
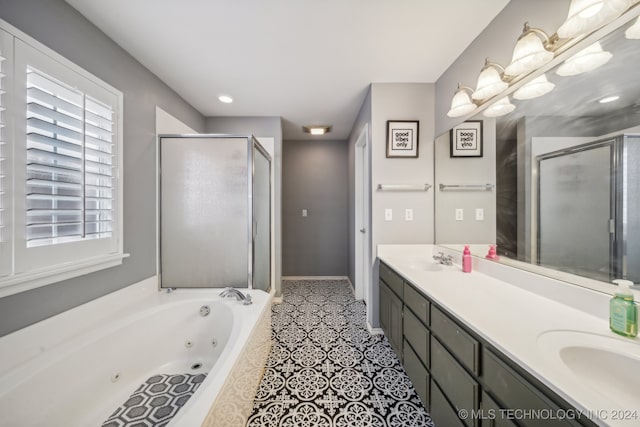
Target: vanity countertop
[519, 322]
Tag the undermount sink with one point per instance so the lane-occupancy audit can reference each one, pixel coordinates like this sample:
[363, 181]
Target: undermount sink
[607, 365]
[423, 265]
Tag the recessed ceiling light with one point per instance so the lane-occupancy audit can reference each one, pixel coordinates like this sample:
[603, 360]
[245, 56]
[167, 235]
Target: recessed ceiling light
[225, 99]
[609, 99]
[316, 129]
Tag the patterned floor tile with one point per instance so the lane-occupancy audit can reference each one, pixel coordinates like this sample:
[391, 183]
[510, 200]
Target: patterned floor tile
[325, 369]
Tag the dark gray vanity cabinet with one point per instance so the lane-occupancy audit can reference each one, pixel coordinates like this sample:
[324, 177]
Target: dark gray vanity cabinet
[456, 372]
[391, 307]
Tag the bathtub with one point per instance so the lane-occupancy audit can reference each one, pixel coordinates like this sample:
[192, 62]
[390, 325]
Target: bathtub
[76, 368]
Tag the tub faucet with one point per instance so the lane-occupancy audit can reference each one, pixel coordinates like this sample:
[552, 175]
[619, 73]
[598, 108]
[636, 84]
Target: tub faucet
[239, 295]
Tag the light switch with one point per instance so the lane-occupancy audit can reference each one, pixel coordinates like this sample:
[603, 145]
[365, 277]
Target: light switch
[388, 214]
[479, 214]
[304, 212]
[408, 214]
[459, 214]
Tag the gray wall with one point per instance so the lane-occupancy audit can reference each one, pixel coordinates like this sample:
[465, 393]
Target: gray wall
[470, 170]
[60, 27]
[314, 174]
[265, 127]
[496, 42]
[400, 101]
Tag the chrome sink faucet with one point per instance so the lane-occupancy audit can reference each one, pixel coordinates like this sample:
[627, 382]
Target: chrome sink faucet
[239, 295]
[443, 259]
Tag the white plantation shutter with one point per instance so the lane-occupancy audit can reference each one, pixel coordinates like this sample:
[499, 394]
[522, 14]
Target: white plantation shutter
[60, 157]
[69, 177]
[6, 54]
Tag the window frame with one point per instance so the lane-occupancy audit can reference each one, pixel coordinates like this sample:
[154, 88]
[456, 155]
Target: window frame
[42, 265]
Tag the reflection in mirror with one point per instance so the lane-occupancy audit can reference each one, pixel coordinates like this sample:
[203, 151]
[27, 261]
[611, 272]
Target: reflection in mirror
[568, 169]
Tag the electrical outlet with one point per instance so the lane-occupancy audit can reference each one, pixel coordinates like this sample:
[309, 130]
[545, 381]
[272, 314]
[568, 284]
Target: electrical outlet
[459, 214]
[479, 214]
[304, 212]
[408, 214]
[388, 214]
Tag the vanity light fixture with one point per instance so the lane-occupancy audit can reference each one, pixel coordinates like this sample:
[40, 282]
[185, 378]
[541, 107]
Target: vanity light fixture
[587, 59]
[489, 81]
[633, 32]
[316, 129]
[499, 108]
[225, 99]
[535, 88]
[530, 52]
[587, 15]
[461, 103]
[609, 99]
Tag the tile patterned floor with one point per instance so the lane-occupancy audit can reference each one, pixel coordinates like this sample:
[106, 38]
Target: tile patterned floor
[326, 370]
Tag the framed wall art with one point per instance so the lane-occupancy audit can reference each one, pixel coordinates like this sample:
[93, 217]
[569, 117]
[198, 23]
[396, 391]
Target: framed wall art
[402, 138]
[466, 139]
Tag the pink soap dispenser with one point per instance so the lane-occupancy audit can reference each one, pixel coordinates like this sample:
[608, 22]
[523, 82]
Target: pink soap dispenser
[466, 260]
[492, 254]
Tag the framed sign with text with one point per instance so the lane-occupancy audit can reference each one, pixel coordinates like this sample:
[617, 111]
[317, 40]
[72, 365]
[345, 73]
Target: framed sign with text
[466, 139]
[402, 138]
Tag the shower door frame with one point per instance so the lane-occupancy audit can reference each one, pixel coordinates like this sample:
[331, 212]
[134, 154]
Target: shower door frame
[252, 144]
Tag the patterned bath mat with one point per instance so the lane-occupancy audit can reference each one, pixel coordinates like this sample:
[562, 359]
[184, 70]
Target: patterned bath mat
[156, 401]
[326, 370]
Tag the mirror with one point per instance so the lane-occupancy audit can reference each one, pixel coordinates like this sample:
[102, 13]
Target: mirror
[566, 174]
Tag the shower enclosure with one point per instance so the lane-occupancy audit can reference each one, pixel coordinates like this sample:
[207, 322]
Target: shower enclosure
[215, 207]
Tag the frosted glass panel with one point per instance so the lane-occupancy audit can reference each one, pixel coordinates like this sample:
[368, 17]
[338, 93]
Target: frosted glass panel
[262, 221]
[631, 190]
[204, 212]
[575, 210]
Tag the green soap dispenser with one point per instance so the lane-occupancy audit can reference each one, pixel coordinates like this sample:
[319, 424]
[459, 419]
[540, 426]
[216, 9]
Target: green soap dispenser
[623, 312]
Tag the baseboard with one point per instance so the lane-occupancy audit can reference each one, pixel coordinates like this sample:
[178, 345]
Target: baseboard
[374, 331]
[315, 278]
[276, 300]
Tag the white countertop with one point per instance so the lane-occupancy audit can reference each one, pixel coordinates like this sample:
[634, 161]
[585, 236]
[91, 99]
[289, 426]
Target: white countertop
[513, 314]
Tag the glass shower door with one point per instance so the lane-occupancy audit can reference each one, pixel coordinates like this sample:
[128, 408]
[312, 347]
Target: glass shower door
[261, 218]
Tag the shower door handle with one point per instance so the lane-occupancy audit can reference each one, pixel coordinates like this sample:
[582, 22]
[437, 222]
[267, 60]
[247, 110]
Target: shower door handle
[363, 230]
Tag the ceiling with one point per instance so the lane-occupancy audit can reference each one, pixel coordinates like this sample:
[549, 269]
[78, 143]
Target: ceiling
[308, 61]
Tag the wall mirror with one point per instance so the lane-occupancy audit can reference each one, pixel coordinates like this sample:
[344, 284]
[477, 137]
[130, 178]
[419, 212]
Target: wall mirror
[567, 172]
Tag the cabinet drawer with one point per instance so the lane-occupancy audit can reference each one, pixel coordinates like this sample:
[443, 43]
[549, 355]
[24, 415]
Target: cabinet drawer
[514, 392]
[418, 336]
[463, 392]
[417, 303]
[461, 344]
[441, 412]
[492, 417]
[391, 279]
[417, 373]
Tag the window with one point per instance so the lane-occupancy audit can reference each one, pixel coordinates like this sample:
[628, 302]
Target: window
[60, 199]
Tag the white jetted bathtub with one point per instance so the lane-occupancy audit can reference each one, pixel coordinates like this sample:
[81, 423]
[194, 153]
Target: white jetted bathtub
[77, 368]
